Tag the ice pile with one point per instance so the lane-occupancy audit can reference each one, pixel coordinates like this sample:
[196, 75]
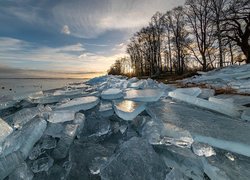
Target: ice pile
[112, 127]
[234, 78]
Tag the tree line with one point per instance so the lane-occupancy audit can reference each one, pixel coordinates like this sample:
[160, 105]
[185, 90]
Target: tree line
[201, 34]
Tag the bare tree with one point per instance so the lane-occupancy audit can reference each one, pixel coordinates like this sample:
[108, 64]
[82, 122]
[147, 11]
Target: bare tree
[199, 18]
[236, 19]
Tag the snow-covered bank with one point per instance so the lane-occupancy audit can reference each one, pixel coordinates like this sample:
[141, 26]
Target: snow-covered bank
[233, 78]
[111, 127]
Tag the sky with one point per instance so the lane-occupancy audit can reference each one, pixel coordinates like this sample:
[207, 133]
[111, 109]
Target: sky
[69, 38]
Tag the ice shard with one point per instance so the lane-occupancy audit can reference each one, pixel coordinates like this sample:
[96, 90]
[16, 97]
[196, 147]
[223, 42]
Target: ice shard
[5, 130]
[202, 149]
[204, 126]
[24, 139]
[145, 95]
[135, 159]
[80, 121]
[22, 172]
[65, 141]
[111, 94]
[246, 115]
[128, 110]
[9, 163]
[60, 116]
[106, 109]
[205, 104]
[25, 115]
[195, 91]
[77, 104]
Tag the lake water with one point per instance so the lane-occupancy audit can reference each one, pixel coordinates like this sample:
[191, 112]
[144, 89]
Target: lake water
[16, 87]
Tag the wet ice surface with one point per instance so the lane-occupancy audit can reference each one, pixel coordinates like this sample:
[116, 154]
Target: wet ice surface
[83, 131]
[127, 109]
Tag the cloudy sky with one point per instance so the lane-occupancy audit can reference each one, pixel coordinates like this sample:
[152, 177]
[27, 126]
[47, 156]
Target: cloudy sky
[69, 38]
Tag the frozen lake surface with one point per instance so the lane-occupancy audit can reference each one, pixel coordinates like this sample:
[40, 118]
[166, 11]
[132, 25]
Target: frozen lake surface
[13, 87]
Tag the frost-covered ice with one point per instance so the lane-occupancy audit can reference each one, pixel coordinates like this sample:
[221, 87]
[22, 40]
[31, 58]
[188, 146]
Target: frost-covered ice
[77, 104]
[145, 95]
[229, 111]
[204, 126]
[111, 94]
[128, 110]
[232, 77]
[60, 116]
[5, 130]
[202, 149]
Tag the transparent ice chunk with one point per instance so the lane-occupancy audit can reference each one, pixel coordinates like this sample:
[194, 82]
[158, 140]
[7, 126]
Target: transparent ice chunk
[60, 116]
[77, 104]
[9, 163]
[203, 149]
[111, 94]
[65, 141]
[145, 95]
[128, 110]
[22, 172]
[205, 104]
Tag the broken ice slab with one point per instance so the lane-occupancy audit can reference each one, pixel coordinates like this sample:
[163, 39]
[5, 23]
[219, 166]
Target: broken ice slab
[237, 99]
[22, 172]
[221, 167]
[9, 163]
[42, 164]
[204, 126]
[128, 110]
[59, 116]
[106, 109]
[25, 138]
[23, 116]
[137, 85]
[206, 93]
[145, 95]
[246, 115]
[7, 104]
[67, 92]
[97, 125]
[36, 152]
[54, 129]
[5, 130]
[80, 121]
[111, 94]
[226, 103]
[48, 142]
[128, 161]
[65, 141]
[77, 104]
[194, 91]
[205, 104]
[202, 149]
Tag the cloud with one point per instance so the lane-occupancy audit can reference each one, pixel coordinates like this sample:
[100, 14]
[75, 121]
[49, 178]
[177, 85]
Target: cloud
[65, 30]
[70, 58]
[90, 18]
